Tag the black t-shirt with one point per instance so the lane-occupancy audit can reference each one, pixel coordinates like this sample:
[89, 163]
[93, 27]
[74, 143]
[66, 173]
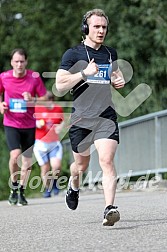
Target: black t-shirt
[93, 97]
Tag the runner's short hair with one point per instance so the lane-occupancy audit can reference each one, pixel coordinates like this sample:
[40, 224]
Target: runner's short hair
[20, 51]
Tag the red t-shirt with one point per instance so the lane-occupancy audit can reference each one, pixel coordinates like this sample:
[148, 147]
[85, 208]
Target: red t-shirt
[50, 117]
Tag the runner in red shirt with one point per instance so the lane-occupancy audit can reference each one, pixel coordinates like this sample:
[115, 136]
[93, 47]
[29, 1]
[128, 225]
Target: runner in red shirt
[48, 148]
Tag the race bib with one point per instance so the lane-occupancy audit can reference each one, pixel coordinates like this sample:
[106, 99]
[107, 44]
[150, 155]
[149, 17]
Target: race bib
[103, 75]
[17, 105]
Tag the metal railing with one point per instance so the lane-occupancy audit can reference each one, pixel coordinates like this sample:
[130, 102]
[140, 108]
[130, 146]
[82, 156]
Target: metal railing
[142, 148]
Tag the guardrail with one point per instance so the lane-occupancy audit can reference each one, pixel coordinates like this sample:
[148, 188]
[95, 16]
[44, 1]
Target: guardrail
[142, 148]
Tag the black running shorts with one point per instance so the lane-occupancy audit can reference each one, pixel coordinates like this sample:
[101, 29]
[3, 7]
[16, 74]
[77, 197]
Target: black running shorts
[83, 137]
[20, 139]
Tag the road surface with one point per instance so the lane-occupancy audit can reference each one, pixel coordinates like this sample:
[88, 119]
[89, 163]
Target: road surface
[46, 225]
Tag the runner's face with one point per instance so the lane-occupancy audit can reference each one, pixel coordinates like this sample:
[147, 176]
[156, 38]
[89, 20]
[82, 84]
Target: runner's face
[97, 29]
[19, 64]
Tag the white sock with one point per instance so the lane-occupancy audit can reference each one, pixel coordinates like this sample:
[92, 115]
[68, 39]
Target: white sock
[72, 186]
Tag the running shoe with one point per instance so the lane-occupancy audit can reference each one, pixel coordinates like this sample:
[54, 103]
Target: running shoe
[111, 215]
[13, 197]
[55, 189]
[21, 199]
[47, 193]
[72, 198]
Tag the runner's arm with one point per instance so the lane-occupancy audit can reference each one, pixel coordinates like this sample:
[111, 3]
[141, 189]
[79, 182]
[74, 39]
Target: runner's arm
[65, 80]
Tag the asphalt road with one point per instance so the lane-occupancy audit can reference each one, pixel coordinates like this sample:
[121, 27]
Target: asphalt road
[47, 225]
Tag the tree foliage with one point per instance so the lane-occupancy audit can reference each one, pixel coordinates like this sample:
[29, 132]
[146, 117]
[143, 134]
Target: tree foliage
[46, 29]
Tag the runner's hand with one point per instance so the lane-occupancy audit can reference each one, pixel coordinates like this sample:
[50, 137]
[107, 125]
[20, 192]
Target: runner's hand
[117, 80]
[40, 123]
[3, 107]
[91, 69]
[27, 96]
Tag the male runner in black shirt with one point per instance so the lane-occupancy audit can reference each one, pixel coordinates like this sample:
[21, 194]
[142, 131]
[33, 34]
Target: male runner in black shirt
[87, 69]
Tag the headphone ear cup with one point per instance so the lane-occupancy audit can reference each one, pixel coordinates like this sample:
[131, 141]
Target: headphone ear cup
[84, 26]
[86, 29]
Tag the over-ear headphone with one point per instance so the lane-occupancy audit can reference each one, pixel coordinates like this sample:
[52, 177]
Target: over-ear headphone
[85, 26]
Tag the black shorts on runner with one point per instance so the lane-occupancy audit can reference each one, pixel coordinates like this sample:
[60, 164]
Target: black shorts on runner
[20, 139]
[83, 137]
